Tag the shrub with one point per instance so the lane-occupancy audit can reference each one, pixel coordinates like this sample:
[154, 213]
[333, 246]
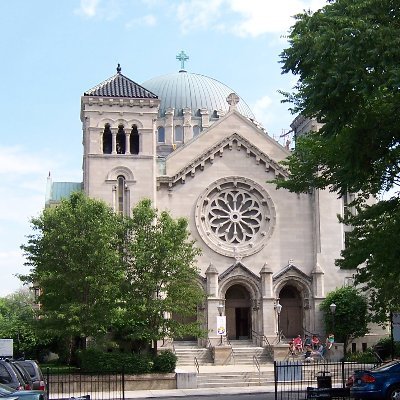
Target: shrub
[363, 357]
[165, 361]
[96, 361]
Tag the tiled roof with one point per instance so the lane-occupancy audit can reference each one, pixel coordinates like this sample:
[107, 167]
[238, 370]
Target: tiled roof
[120, 86]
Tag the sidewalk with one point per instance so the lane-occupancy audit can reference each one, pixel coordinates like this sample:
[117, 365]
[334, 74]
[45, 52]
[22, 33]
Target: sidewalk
[197, 392]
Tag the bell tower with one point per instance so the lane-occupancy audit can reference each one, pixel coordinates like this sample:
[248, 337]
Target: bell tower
[119, 142]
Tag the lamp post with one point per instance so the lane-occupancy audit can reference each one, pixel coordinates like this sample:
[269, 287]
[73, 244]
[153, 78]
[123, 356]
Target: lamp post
[278, 308]
[220, 308]
[333, 310]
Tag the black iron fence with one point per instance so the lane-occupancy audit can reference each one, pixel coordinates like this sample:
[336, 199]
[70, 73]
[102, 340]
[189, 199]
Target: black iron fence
[73, 384]
[316, 380]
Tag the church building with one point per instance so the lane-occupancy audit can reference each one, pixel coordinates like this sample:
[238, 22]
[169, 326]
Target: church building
[192, 145]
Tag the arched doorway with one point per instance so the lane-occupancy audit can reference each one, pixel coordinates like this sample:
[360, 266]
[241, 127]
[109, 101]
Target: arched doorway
[291, 317]
[238, 313]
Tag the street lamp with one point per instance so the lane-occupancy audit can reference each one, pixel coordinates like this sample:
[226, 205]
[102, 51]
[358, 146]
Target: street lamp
[333, 310]
[220, 308]
[278, 308]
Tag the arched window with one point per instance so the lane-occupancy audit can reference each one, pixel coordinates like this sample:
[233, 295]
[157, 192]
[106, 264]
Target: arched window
[121, 140]
[121, 195]
[134, 140]
[107, 140]
[161, 134]
[178, 134]
[196, 130]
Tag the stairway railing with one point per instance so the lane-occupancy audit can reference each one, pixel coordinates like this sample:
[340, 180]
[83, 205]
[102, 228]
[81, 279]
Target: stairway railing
[264, 342]
[256, 362]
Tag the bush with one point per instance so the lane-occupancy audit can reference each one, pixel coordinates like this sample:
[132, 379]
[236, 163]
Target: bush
[96, 361]
[165, 362]
[362, 357]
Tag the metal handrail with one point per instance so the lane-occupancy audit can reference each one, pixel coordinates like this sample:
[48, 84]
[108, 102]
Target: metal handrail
[264, 342]
[196, 364]
[256, 362]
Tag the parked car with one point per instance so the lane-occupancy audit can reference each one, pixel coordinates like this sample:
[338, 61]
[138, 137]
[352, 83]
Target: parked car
[32, 367]
[28, 384]
[8, 393]
[381, 383]
[10, 375]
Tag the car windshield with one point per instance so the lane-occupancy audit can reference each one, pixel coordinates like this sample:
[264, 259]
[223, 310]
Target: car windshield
[4, 389]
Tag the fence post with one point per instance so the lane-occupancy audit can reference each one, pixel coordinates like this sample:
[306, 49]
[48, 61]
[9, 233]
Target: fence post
[123, 382]
[343, 378]
[276, 381]
[47, 382]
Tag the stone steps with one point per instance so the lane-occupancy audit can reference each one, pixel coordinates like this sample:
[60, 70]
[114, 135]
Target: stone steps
[234, 379]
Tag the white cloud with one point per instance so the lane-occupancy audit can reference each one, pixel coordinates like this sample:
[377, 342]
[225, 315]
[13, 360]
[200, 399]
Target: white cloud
[107, 10]
[242, 17]
[198, 14]
[88, 8]
[11, 263]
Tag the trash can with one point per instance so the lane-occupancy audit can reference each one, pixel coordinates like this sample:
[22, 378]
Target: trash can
[324, 380]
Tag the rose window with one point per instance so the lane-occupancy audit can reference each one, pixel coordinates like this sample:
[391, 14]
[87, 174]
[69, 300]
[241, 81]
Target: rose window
[235, 216]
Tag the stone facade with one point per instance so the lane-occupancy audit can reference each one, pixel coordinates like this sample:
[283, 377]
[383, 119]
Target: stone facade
[260, 246]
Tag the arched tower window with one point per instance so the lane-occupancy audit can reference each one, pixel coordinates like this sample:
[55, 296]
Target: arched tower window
[178, 134]
[121, 140]
[196, 130]
[121, 195]
[107, 140]
[134, 140]
[161, 134]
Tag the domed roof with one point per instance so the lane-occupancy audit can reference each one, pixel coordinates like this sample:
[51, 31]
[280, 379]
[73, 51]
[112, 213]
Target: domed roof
[184, 89]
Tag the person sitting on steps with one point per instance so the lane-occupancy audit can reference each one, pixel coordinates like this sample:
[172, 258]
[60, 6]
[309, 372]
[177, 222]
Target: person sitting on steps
[298, 344]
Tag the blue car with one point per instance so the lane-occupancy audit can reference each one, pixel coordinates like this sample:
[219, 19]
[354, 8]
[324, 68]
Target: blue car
[8, 393]
[381, 383]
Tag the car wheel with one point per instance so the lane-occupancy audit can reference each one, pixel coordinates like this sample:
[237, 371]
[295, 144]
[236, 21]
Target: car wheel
[394, 393]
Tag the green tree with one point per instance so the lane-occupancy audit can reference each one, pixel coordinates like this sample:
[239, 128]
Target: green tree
[18, 322]
[350, 320]
[162, 277]
[345, 57]
[75, 257]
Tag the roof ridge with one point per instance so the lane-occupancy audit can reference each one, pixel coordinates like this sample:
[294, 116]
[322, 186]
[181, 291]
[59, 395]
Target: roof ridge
[120, 85]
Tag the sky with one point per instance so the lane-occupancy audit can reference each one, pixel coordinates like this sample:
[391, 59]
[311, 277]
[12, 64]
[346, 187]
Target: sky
[53, 51]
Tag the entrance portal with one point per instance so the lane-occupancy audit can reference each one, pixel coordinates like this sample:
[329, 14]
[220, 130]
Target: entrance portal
[291, 318]
[238, 313]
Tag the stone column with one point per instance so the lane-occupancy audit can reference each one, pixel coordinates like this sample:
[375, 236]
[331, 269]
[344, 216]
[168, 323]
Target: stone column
[187, 127]
[267, 305]
[114, 141]
[127, 143]
[205, 120]
[169, 125]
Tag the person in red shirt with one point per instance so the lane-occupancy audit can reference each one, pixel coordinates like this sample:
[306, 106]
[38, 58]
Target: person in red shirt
[298, 343]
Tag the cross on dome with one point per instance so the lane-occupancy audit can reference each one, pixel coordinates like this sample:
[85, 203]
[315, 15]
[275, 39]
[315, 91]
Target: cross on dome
[182, 57]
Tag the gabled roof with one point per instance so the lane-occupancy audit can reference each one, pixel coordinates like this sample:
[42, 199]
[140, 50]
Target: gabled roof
[240, 267]
[291, 269]
[120, 86]
[209, 154]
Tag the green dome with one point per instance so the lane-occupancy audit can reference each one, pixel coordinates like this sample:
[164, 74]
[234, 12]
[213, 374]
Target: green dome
[183, 89]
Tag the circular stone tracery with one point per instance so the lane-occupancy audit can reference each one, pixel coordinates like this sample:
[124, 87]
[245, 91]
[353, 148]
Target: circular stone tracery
[235, 216]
